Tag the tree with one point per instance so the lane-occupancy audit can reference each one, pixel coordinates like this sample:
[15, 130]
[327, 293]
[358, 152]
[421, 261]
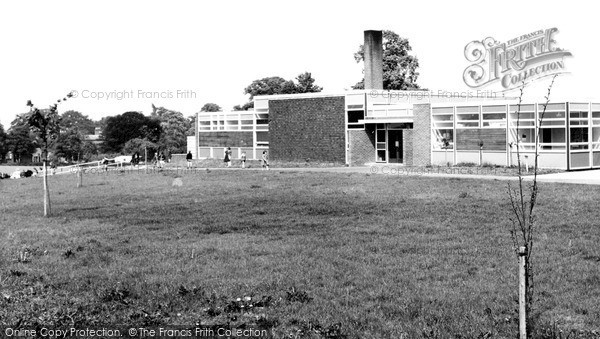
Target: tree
[399, 68]
[523, 200]
[244, 107]
[306, 84]
[73, 120]
[175, 126]
[69, 144]
[129, 125]
[46, 126]
[191, 125]
[89, 150]
[278, 85]
[210, 107]
[267, 86]
[19, 139]
[3, 144]
[140, 145]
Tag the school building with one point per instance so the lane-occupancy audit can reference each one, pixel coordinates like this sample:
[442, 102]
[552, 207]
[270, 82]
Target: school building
[413, 128]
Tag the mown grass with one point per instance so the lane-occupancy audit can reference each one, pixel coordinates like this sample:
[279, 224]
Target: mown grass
[319, 254]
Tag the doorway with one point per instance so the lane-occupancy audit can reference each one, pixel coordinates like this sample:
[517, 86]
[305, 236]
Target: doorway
[394, 145]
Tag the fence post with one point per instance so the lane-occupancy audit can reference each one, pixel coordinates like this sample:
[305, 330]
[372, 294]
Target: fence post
[522, 293]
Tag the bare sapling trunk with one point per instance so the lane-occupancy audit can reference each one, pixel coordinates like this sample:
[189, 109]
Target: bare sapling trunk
[523, 199]
[79, 176]
[47, 210]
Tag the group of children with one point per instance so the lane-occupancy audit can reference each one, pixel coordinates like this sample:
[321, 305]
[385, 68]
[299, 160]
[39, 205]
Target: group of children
[264, 159]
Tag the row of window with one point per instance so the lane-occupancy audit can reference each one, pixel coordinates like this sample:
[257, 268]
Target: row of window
[553, 128]
[233, 122]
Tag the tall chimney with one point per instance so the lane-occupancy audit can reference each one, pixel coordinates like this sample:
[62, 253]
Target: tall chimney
[373, 49]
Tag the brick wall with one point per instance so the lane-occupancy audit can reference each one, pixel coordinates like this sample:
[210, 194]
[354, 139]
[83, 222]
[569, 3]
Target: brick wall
[362, 146]
[407, 146]
[421, 154]
[311, 128]
[225, 139]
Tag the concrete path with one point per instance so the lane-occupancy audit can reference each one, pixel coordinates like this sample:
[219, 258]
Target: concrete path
[589, 177]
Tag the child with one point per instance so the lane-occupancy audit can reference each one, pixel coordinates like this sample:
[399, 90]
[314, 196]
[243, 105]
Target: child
[161, 160]
[105, 164]
[243, 158]
[265, 161]
[227, 159]
[188, 157]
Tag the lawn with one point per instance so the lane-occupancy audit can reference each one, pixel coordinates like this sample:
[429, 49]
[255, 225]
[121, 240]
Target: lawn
[304, 255]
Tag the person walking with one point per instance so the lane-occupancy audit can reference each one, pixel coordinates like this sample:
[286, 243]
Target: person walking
[243, 159]
[227, 159]
[265, 161]
[155, 160]
[188, 157]
[105, 164]
[161, 160]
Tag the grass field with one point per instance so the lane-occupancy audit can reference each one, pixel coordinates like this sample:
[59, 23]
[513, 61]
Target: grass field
[319, 254]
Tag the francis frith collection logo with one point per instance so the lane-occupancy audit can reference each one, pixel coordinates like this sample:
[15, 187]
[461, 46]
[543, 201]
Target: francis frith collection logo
[522, 59]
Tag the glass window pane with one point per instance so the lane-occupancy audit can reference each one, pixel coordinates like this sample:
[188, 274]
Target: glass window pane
[467, 109]
[552, 135]
[578, 115]
[522, 116]
[553, 122]
[579, 134]
[446, 117]
[460, 117]
[552, 147]
[443, 139]
[494, 116]
[553, 115]
[355, 116]
[595, 134]
[552, 107]
[495, 123]
[467, 124]
[578, 122]
[496, 108]
[524, 108]
[578, 107]
[526, 135]
[435, 110]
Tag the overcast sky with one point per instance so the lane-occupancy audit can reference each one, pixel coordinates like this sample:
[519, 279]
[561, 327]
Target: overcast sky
[210, 50]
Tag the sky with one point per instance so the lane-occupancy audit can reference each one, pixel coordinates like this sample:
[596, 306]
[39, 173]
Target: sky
[123, 56]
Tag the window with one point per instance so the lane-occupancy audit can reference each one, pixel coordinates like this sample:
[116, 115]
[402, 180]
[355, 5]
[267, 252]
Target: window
[579, 126]
[381, 145]
[354, 117]
[467, 117]
[442, 128]
[596, 126]
[522, 116]
[493, 116]
[262, 139]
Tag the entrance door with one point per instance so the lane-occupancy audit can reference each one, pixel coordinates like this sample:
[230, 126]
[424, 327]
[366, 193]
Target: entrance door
[395, 146]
